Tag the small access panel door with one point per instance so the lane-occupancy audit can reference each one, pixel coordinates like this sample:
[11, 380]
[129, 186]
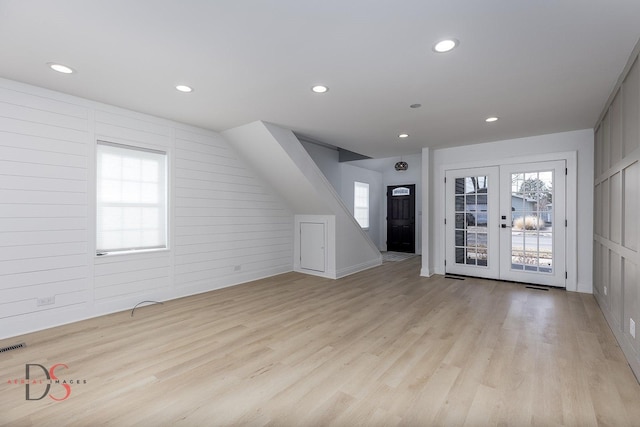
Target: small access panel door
[401, 218]
[312, 246]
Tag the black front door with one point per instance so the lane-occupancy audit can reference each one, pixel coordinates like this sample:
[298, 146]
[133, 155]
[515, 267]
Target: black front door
[401, 218]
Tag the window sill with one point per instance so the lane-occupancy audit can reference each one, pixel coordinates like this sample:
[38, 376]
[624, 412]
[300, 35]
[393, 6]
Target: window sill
[131, 252]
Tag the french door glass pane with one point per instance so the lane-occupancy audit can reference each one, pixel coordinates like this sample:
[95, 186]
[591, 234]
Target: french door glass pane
[471, 220]
[532, 221]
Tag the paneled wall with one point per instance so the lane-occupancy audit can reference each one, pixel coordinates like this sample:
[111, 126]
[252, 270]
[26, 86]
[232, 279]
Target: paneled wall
[616, 193]
[226, 226]
[121, 279]
[44, 222]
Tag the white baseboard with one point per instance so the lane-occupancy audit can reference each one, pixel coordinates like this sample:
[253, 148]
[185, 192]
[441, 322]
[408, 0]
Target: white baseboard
[343, 272]
[329, 274]
[625, 345]
[585, 288]
[426, 272]
[33, 322]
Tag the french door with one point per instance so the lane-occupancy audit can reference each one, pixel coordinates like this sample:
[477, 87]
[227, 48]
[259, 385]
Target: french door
[507, 222]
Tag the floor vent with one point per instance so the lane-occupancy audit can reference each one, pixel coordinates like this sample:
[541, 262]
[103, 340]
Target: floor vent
[12, 347]
[536, 288]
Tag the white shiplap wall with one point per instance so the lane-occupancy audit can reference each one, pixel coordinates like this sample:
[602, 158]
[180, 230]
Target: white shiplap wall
[226, 227]
[124, 280]
[44, 224]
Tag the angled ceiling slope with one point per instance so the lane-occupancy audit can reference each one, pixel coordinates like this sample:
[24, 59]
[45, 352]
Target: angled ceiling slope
[281, 160]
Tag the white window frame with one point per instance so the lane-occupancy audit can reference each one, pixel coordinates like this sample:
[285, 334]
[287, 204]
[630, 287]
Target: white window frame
[360, 207]
[156, 199]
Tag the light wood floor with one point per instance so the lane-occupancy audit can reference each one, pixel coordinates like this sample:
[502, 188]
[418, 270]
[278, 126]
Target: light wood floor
[383, 347]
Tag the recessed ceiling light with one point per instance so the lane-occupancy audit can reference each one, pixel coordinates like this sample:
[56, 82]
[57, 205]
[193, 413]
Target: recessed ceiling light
[491, 119]
[415, 105]
[445, 45]
[320, 89]
[403, 135]
[184, 88]
[60, 68]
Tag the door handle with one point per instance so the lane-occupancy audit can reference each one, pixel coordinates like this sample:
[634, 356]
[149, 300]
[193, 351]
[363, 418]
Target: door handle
[505, 226]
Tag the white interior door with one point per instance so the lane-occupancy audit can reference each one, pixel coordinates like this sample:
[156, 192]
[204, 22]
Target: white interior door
[507, 222]
[312, 246]
[533, 223]
[472, 227]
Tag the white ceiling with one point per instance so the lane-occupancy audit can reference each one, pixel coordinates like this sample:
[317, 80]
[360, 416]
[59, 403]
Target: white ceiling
[542, 66]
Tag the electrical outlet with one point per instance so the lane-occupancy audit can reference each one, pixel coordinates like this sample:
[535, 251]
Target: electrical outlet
[605, 291]
[46, 301]
[632, 327]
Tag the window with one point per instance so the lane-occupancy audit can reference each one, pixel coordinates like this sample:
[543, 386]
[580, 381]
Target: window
[131, 198]
[361, 203]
